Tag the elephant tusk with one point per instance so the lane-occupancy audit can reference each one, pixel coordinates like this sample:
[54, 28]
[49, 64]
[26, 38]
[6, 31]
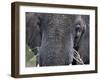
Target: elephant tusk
[77, 57]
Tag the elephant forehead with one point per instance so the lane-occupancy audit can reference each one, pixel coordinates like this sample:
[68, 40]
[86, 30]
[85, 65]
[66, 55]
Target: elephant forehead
[58, 19]
[57, 26]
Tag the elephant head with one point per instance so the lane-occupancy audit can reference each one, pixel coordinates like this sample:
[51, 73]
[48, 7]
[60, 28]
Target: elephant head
[56, 35]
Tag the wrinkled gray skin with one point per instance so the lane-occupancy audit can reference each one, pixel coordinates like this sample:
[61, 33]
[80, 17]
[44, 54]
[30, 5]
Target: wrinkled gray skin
[56, 35]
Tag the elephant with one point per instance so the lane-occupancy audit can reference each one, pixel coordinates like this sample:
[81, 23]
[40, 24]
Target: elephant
[56, 35]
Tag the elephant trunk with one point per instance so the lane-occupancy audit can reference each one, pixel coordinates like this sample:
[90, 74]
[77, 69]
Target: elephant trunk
[56, 48]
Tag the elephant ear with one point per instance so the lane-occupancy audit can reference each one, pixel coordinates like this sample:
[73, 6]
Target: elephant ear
[33, 33]
[80, 28]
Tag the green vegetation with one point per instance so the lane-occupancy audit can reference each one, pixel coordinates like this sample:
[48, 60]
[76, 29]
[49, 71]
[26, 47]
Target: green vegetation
[30, 57]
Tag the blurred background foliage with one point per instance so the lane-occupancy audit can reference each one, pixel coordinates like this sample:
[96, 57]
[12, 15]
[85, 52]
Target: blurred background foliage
[30, 56]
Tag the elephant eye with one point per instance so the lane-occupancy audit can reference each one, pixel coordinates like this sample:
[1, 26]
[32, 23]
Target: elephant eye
[78, 28]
